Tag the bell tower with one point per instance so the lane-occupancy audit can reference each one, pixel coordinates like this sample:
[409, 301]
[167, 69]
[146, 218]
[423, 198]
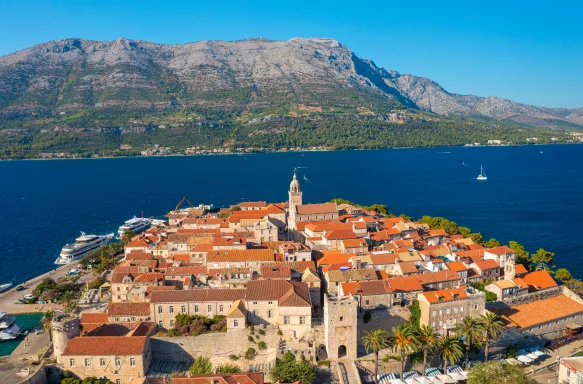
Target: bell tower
[295, 199]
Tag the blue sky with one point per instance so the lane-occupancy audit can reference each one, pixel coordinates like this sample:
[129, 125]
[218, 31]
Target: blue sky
[527, 51]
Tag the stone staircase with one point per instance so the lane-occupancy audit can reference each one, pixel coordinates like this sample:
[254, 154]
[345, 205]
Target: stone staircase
[348, 375]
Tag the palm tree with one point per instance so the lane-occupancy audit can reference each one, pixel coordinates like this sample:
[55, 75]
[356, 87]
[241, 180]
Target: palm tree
[491, 328]
[471, 330]
[374, 341]
[426, 338]
[404, 339]
[450, 350]
[48, 321]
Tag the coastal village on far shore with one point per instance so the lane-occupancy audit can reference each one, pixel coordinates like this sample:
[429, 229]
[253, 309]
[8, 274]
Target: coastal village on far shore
[287, 292]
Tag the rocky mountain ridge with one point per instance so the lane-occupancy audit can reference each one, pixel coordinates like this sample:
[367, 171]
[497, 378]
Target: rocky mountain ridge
[73, 75]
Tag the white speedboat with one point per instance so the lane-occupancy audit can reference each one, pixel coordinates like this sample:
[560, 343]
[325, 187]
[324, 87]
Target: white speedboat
[5, 320]
[4, 287]
[482, 175]
[135, 225]
[10, 333]
[83, 245]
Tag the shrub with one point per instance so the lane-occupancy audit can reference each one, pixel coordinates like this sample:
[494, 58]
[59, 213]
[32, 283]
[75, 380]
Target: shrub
[66, 374]
[201, 366]
[250, 338]
[279, 332]
[289, 370]
[261, 332]
[70, 380]
[262, 345]
[96, 283]
[324, 362]
[250, 354]
[234, 357]
[252, 329]
[228, 368]
[172, 332]
[490, 296]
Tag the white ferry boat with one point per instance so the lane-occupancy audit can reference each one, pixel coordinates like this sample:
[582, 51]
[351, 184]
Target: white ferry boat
[10, 333]
[83, 245]
[5, 321]
[135, 225]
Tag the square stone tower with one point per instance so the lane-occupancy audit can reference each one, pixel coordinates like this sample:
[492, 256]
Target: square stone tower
[340, 326]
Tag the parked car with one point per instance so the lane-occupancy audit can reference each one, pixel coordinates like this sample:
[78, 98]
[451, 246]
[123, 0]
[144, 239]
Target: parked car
[20, 288]
[18, 301]
[28, 296]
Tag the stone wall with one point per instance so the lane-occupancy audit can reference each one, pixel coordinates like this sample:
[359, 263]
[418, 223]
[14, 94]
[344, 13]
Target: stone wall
[218, 347]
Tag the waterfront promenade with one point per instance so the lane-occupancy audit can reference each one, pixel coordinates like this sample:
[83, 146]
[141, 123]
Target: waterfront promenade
[8, 298]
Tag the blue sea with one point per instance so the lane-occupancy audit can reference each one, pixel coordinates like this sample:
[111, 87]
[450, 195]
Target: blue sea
[534, 194]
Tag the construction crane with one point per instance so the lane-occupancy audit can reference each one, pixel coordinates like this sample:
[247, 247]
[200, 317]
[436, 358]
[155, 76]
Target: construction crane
[184, 199]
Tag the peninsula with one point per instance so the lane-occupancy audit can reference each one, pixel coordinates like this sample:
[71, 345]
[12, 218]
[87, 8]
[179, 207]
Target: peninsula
[290, 292]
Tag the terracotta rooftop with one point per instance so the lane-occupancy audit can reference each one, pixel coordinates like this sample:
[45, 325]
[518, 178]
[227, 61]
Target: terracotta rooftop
[315, 209]
[197, 295]
[287, 293]
[335, 258]
[457, 266]
[233, 378]
[189, 270]
[276, 272]
[539, 280]
[105, 346]
[520, 269]
[149, 277]
[487, 264]
[445, 295]
[128, 309]
[383, 258]
[502, 250]
[407, 267]
[93, 317]
[241, 255]
[352, 275]
[354, 243]
[540, 311]
[404, 284]
[374, 287]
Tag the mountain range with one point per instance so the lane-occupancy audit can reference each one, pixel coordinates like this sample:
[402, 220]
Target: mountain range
[75, 74]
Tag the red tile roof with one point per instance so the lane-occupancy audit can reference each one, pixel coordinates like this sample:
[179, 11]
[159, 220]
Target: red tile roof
[149, 277]
[384, 258]
[195, 270]
[128, 309]
[335, 258]
[502, 250]
[105, 346]
[354, 243]
[287, 293]
[539, 280]
[404, 284]
[487, 264]
[445, 295]
[93, 317]
[276, 272]
[200, 295]
[241, 255]
[520, 269]
[232, 378]
[457, 266]
[340, 234]
[315, 209]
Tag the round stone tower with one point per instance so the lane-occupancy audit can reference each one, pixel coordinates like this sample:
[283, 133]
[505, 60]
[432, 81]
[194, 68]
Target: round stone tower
[63, 331]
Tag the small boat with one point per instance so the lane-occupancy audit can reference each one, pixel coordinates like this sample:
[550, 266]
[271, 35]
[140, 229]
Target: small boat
[10, 333]
[4, 287]
[6, 321]
[482, 175]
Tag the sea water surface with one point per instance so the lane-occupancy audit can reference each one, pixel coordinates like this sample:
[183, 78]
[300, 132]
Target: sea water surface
[534, 194]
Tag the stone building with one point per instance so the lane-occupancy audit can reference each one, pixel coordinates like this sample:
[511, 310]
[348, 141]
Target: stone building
[444, 309]
[120, 358]
[340, 326]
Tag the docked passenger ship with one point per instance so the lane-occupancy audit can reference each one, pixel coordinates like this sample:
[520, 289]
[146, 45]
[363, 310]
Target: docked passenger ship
[83, 244]
[134, 225]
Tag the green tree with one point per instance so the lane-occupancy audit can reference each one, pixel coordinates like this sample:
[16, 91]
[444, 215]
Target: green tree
[375, 341]
[522, 256]
[543, 257]
[450, 350]
[427, 339]
[289, 370]
[46, 283]
[476, 237]
[415, 317]
[465, 231]
[563, 274]
[405, 217]
[201, 366]
[495, 373]
[492, 243]
[70, 380]
[127, 237]
[250, 353]
[471, 330]
[491, 328]
[404, 339]
[228, 368]
[47, 321]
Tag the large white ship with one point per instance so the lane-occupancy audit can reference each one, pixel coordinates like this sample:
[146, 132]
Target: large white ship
[135, 225]
[83, 244]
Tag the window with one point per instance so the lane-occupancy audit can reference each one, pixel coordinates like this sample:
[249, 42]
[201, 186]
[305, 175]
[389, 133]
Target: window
[161, 324]
[235, 323]
[183, 308]
[302, 320]
[117, 381]
[171, 323]
[254, 303]
[341, 318]
[476, 307]
[87, 362]
[132, 362]
[269, 314]
[196, 308]
[102, 362]
[270, 302]
[462, 309]
[71, 362]
[448, 311]
[171, 309]
[221, 308]
[117, 319]
[286, 319]
[210, 308]
[434, 313]
[117, 361]
[367, 302]
[455, 310]
[160, 309]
